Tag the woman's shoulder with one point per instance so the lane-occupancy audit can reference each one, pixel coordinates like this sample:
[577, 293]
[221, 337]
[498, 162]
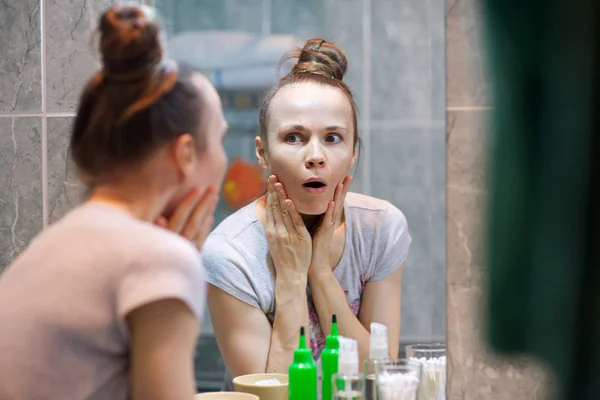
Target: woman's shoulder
[237, 222]
[238, 231]
[372, 210]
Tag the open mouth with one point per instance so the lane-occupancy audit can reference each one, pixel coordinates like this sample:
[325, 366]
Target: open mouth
[314, 185]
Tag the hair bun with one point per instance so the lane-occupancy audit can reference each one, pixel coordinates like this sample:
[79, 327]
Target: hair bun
[321, 57]
[129, 43]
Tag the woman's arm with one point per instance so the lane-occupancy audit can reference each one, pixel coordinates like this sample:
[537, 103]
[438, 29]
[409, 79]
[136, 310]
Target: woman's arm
[245, 337]
[329, 299]
[163, 339]
[380, 302]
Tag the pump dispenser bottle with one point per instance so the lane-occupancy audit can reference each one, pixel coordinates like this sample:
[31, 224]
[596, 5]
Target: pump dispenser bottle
[329, 360]
[378, 354]
[302, 373]
[348, 383]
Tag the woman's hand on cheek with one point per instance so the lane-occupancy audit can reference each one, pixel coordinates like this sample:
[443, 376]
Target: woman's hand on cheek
[288, 239]
[321, 241]
[193, 217]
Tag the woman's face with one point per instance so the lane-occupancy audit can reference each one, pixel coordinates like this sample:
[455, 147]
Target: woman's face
[205, 168]
[212, 162]
[310, 143]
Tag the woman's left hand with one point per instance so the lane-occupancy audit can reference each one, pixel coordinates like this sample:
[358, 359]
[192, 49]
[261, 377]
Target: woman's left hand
[193, 217]
[322, 238]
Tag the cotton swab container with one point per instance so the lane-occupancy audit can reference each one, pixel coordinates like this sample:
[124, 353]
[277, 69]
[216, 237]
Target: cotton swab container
[399, 380]
[432, 357]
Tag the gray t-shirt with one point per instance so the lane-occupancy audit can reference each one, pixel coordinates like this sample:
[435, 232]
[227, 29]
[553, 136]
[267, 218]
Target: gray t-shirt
[236, 258]
[64, 300]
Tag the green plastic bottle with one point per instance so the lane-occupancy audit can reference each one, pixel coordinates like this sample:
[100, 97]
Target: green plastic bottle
[329, 359]
[302, 373]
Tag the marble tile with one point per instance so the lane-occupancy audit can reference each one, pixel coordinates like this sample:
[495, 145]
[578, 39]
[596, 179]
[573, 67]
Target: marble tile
[404, 23]
[417, 279]
[166, 13]
[438, 80]
[359, 175]
[344, 28]
[402, 172]
[438, 58]
[245, 15]
[65, 191]
[466, 195]
[72, 55]
[20, 185]
[464, 230]
[20, 89]
[467, 136]
[187, 15]
[473, 372]
[405, 151]
[437, 22]
[465, 55]
[303, 18]
[437, 253]
[199, 15]
[401, 80]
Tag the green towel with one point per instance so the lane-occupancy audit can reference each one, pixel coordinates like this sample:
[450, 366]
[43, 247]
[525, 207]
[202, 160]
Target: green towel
[543, 207]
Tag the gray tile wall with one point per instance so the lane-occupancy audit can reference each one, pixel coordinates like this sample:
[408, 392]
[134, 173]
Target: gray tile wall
[41, 76]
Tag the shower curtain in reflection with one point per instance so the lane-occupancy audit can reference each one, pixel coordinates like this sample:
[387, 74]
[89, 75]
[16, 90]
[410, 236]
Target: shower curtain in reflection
[544, 199]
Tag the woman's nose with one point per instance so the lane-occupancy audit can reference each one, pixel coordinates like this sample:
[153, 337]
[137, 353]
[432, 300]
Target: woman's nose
[315, 157]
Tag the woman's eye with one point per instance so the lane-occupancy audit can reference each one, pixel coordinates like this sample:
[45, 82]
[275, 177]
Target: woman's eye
[333, 138]
[292, 138]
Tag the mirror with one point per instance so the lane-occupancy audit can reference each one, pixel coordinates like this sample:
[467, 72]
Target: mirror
[396, 70]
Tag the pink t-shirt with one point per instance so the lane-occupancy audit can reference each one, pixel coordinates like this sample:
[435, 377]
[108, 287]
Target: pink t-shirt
[64, 300]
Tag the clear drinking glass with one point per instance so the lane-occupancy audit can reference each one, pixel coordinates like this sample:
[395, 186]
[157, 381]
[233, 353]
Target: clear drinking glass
[426, 351]
[432, 357]
[370, 372]
[348, 387]
[399, 380]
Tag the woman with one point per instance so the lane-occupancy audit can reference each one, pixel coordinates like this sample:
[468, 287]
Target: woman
[308, 248]
[105, 304]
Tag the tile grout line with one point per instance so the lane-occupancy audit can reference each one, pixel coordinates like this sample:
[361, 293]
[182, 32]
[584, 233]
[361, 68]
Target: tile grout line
[468, 108]
[44, 116]
[266, 17]
[366, 85]
[429, 134]
[39, 115]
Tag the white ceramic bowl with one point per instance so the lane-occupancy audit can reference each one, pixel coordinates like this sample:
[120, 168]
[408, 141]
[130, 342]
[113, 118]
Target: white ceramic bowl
[247, 384]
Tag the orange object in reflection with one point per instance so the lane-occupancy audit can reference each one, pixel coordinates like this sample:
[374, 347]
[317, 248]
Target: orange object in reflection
[243, 183]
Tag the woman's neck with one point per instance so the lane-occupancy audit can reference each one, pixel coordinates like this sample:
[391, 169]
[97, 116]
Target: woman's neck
[312, 222]
[141, 205]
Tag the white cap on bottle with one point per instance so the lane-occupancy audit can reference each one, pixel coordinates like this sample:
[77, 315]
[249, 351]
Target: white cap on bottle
[347, 356]
[379, 341]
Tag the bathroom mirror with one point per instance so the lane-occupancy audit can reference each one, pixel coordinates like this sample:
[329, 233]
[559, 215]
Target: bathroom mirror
[396, 70]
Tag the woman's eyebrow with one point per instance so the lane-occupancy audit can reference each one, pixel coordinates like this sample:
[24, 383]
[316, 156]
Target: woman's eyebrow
[335, 128]
[303, 128]
[293, 128]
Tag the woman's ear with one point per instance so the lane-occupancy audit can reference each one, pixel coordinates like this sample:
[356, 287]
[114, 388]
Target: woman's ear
[185, 154]
[260, 152]
[354, 154]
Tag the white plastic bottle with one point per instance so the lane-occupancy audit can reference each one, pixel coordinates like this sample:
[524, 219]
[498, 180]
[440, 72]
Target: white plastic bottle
[378, 354]
[348, 383]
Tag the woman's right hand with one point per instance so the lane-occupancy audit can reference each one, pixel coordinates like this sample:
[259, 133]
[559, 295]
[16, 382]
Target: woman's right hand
[290, 243]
